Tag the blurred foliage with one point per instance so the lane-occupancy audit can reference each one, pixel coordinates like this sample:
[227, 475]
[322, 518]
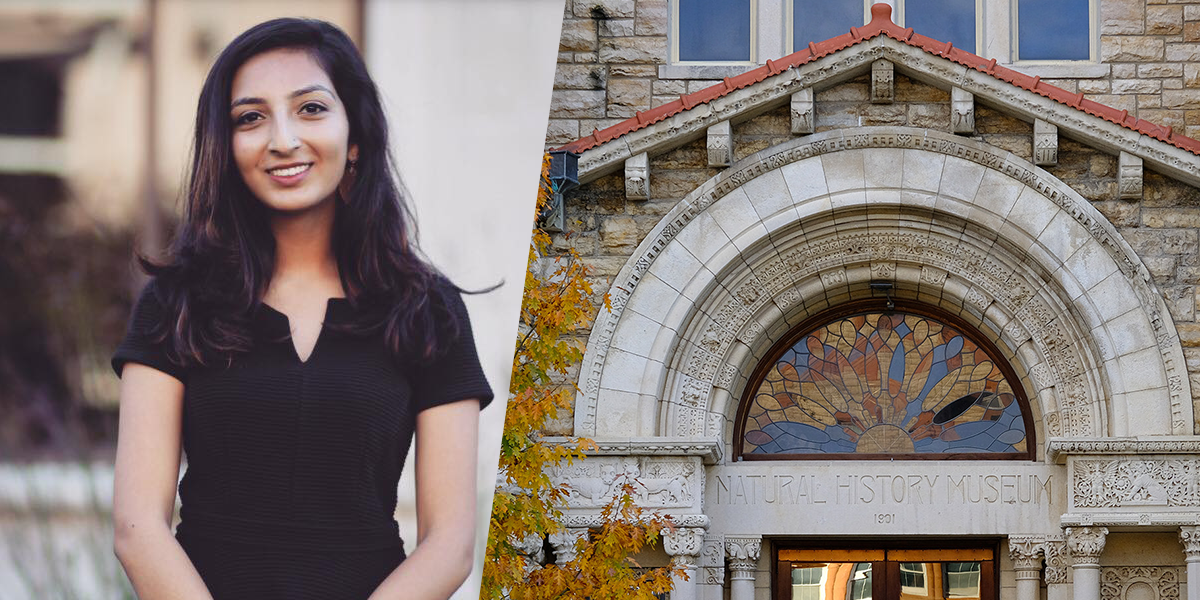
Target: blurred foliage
[527, 506]
[67, 293]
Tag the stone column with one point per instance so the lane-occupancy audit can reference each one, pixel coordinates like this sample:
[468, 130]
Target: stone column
[741, 554]
[1086, 544]
[683, 545]
[1026, 555]
[1189, 536]
[564, 542]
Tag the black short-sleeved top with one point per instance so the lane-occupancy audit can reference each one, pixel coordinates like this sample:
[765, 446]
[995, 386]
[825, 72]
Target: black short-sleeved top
[292, 467]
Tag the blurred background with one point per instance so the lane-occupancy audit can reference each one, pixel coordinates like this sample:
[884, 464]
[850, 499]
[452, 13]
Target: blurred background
[95, 128]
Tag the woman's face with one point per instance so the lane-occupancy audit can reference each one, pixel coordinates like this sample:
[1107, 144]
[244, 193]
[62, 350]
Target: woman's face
[290, 130]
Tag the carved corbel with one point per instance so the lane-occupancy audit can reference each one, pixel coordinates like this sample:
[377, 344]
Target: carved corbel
[564, 543]
[802, 111]
[883, 90]
[720, 145]
[1086, 544]
[1045, 143]
[962, 111]
[637, 177]
[1129, 174]
[1189, 537]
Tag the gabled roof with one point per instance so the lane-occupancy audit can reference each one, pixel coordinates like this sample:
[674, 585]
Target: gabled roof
[881, 25]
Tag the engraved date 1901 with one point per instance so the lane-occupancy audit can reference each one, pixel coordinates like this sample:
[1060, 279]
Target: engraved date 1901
[885, 518]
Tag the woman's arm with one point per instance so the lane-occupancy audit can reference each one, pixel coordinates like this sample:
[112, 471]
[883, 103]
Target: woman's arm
[446, 449]
[146, 473]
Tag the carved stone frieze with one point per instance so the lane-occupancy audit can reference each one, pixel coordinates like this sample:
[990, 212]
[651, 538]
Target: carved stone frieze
[1045, 143]
[802, 111]
[883, 88]
[1086, 544]
[657, 482]
[1129, 176]
[1157, 583]
[637, 177]
[1125, 482]
[720, 145]
[962, 111]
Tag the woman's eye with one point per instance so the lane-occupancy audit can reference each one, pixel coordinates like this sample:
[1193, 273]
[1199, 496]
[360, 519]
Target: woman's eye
[246, 118]
[312, 108]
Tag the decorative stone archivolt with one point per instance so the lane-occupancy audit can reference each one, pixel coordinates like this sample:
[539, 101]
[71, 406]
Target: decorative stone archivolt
[787, 232]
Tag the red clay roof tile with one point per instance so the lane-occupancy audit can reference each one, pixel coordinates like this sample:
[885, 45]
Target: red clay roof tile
[881, 24]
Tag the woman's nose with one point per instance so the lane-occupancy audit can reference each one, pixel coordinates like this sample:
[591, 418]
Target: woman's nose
[283, 138]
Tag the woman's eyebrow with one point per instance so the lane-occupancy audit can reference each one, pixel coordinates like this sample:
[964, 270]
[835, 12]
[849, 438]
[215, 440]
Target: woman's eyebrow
[316, 87]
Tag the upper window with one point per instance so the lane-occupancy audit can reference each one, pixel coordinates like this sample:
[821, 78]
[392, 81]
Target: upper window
[1053, 30]
[890, 383]
[714, 30]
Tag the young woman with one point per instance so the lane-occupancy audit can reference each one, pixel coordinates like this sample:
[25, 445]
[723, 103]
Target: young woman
[291, 344]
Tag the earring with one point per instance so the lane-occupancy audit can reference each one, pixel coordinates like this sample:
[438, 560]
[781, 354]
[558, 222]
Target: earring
[344, 186]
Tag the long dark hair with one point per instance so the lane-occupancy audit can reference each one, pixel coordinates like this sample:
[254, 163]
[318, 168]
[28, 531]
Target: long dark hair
[221, 260]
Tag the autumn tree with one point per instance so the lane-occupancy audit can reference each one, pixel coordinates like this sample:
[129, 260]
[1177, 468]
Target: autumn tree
[527, 508]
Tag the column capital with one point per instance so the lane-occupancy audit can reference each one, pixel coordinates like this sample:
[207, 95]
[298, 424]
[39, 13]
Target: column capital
[683, 544]
[1189, 536]
[564, 542]
[1026, 554]
[742, 554]
[1055, 550]
[1086, 545]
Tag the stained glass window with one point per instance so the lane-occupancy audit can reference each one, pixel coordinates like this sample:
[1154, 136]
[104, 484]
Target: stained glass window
[889, 383]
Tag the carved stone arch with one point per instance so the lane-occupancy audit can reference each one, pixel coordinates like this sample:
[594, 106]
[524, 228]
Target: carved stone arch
[954, 222]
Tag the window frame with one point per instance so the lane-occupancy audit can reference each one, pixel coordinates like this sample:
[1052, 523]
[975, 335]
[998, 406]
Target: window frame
[1018, 385]
[673, 40]
[996, 27]
[1015, 38]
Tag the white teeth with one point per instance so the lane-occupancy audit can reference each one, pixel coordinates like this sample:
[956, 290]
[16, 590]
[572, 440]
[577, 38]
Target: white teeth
[288, 172]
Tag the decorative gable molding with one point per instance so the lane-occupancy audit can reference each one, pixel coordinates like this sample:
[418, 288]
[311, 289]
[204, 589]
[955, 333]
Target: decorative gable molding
[858, 59]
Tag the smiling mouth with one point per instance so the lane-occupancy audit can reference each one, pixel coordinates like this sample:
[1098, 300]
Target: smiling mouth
[289, 171]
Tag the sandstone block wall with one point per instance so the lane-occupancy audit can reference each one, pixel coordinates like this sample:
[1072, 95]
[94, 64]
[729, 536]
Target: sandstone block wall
[610, 51]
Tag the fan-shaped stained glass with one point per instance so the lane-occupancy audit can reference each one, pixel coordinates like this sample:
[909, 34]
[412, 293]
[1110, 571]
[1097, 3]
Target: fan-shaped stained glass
[884, 383]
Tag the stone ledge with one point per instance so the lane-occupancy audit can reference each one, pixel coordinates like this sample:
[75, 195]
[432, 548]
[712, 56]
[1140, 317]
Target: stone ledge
[710, 449]
[703, 71]
[1130, 519]
[1082, 70]
[1058, 449]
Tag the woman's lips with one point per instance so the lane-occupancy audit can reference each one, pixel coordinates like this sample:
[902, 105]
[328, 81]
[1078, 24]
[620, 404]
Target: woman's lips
[290, 175]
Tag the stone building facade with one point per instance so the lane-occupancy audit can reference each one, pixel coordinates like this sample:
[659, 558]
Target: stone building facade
[884, 181]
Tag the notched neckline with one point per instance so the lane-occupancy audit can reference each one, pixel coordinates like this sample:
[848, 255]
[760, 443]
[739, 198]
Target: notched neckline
[283, 326]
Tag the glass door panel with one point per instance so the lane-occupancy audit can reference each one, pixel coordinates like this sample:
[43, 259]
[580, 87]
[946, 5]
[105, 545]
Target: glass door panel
[831, 581]
[900, 574]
